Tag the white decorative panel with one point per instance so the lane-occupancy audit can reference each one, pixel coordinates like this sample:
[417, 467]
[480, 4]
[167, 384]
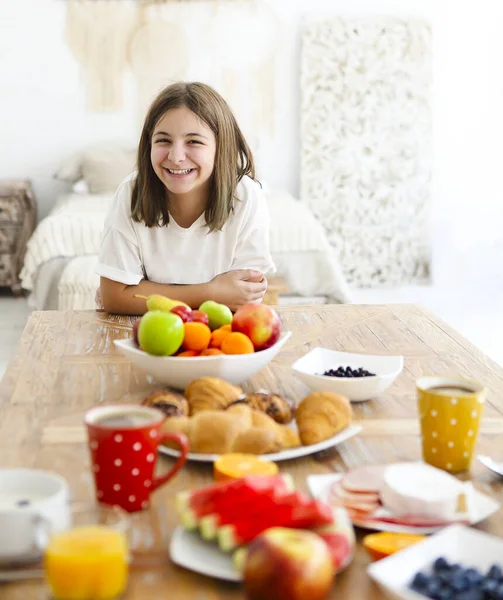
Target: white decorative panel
[366, 143]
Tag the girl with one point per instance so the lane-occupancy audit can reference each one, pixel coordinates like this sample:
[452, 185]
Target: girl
[192, 224]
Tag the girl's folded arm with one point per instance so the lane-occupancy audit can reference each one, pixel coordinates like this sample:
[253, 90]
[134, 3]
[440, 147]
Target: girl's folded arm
[119, 298]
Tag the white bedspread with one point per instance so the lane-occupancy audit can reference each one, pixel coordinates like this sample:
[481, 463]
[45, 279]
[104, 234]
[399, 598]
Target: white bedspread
[74, 227]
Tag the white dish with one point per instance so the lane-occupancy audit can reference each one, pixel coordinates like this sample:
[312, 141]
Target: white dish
[481, 508]
[187, 549]
[492, 465]
[342, 436]
[357, 389]
[178, 372]
[457, 543]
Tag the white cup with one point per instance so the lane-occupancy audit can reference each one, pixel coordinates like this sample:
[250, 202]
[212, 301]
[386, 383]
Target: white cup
[33, 504]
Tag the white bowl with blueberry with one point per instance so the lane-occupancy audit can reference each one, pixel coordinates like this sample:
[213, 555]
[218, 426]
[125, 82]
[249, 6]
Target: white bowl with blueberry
[458, 563]
[359, 377]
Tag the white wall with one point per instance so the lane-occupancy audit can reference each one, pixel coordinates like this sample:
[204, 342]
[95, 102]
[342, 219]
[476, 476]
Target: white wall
[43, 117]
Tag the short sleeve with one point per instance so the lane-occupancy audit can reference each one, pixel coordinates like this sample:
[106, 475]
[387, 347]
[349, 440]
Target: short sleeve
[120, 256]
[252, 250]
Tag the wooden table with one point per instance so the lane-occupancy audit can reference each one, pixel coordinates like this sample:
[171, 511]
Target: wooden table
[66, 363]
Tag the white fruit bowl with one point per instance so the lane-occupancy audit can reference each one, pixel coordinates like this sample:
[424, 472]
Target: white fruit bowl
[178, 372]
[357, 389]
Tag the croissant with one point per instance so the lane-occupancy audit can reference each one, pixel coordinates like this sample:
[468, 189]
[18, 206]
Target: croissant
[241, 411]
[257, 441]
[214, 431]
[210, 393]
[321, 415]
[176, 425]
[289, 437]
[170, 403]
[274, 405]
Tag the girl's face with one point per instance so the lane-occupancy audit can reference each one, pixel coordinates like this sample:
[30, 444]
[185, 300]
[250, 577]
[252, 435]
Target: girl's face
[183, 151]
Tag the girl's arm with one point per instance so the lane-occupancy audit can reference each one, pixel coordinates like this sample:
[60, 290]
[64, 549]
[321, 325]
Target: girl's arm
[233, 288]
[119, 298]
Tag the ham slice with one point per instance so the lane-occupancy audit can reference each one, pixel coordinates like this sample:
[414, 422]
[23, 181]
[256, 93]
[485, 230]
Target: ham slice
[365, 479]
[365, 502]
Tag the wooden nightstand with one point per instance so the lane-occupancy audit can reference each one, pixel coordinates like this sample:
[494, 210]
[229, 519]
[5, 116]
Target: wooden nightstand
[18, 214]
[275, 286]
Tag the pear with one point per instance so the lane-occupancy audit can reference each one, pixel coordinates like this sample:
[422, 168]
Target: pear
[158, 302]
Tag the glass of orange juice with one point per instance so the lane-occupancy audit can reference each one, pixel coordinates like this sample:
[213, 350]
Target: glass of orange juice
[90, 560]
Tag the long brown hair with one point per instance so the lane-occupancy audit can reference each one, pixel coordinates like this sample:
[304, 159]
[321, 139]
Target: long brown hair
[233, 157]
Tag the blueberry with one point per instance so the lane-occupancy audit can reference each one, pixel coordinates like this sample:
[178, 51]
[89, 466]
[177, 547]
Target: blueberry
[489, 586]
[474, 576]
[433, 587]
[440, 565]
[470, 595]
[460, 583]
[495, 572]
[445, 594]
[498, 594]
[420, 581]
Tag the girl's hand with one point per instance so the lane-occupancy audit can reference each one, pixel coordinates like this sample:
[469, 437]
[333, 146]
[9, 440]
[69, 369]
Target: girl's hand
[235, 288]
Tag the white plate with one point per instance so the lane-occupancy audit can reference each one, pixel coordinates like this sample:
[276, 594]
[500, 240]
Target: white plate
[357, 389]
[178, 372]
[457, 543]
[342, 436]
[492, 465]
[187, 549]
[482, 506]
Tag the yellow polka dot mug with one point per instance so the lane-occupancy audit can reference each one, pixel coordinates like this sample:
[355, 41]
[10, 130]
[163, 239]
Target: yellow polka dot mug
[449, 413]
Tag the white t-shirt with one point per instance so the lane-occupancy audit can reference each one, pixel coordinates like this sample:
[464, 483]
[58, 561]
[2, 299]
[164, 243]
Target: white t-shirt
[131, 251]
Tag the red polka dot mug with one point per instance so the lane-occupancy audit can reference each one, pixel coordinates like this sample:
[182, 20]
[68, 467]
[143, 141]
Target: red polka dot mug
[123, 442]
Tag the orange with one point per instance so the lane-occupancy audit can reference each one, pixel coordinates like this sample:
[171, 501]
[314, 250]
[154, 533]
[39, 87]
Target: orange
[234, 466]
[188, 353]
[380, 545]
[197, 336]
[210, 352]
[237, 343]
[218, 335]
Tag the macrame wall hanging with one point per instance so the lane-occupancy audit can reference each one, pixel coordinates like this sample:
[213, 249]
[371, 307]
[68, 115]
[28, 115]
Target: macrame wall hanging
[157, 43]
[366, 143]
[97, 32]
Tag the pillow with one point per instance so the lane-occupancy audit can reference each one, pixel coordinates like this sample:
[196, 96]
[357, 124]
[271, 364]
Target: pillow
[102, 167]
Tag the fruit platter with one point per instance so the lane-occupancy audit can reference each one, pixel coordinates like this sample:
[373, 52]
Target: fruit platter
[176, 344]
[248, 528]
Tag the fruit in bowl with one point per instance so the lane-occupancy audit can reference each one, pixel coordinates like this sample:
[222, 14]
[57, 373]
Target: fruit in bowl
[259, 322]
[218, 314]
[160, 333]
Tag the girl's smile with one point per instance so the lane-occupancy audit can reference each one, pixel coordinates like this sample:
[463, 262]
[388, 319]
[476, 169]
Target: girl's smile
[183, 154]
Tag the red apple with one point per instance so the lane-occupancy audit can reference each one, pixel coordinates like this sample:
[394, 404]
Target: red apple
[135, 333]
[198, 316]
[182, 311]
[259, 322]
[287, 564]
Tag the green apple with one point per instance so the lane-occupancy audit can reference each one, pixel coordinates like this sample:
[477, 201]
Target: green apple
[218, 314]
[160, 333]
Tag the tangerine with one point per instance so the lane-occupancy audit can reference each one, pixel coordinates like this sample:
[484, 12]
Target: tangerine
[211, 352]
[218, 335]
[237, 343]
[196, 336]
